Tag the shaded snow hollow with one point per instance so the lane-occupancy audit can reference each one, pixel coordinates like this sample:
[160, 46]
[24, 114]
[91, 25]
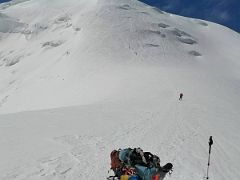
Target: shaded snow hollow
[82, 77]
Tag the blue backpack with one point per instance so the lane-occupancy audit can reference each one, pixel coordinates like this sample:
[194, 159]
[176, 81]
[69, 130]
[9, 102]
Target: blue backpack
[145, 173]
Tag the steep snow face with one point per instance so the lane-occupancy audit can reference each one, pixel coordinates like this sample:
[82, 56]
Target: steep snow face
[67, 51]
[113, 70]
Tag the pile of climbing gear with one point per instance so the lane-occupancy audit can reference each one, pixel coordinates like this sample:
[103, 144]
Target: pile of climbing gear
[135, 164]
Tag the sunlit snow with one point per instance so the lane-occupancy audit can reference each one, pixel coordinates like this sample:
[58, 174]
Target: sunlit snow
[79, 78]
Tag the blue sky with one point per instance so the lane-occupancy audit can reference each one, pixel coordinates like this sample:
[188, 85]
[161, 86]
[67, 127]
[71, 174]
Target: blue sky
[1, 1]
[225, 12]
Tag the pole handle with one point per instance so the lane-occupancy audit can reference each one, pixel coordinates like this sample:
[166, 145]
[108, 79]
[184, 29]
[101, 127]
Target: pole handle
[210, 141]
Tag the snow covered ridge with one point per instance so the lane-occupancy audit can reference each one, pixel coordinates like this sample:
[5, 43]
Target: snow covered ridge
[11, 3]
[79, 78]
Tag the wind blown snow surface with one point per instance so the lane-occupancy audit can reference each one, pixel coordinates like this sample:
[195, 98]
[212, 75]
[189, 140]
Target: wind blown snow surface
[79, 78]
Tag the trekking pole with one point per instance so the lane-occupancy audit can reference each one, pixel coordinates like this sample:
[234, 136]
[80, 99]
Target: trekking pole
[210, 145]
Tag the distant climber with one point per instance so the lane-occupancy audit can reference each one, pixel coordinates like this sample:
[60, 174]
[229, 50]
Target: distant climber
[180, 96]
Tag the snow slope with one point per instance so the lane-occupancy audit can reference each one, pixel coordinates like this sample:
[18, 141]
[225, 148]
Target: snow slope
[82, 77]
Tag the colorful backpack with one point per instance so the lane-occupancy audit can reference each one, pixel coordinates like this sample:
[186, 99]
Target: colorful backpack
[136, 164]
